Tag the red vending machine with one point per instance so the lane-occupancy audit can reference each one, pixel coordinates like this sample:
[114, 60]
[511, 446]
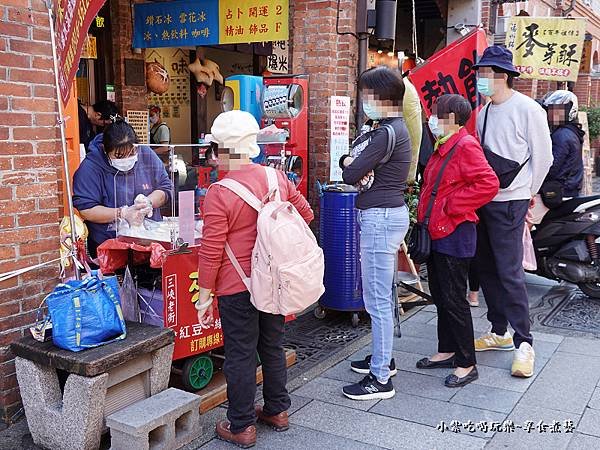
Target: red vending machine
[285, 105]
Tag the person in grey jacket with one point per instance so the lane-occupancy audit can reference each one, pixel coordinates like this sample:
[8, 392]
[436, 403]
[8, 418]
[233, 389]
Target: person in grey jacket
[516, 139]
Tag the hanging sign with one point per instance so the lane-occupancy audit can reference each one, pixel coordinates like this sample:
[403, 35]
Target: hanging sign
[546, 48]
[209, 22]
[278, 61]
[339, 137]
[450, 71]
[89, 50]
[72, 21]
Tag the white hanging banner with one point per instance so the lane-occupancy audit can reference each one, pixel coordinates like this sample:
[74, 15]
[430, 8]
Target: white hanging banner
[278, 62]
[339, 136]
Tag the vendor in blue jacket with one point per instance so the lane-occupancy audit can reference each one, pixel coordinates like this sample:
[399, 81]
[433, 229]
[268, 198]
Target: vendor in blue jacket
[118, 180]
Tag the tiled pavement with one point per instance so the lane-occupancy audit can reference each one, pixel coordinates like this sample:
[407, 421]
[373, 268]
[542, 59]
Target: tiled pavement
[566, 387]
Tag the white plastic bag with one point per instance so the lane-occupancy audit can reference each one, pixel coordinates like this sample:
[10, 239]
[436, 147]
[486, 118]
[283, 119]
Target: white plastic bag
[129, 302]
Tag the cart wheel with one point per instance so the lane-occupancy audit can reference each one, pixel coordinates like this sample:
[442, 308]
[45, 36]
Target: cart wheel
[320, 312]
[355, 320]
[197, 372]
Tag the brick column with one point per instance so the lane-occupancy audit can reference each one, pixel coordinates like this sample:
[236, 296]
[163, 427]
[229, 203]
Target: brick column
[128, 97]
[583, 88]
[29, 158]
[331, 61]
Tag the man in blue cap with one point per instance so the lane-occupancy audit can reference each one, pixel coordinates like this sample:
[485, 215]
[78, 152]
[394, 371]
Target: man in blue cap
[514, 134]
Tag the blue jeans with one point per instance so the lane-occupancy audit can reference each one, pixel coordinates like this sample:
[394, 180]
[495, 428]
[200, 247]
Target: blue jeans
[382, 231]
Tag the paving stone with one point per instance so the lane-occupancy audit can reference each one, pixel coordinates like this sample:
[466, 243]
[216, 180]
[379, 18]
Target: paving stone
[412, 344]
[418, 330]
[429, 308]
[486, 397]
[360, 354]
[590, 422]
[374, 429]
[503, 360]
[479, 311]
[501, 379]
[583, 442]
[407, 362]
[422, 385]
[539, 336]
[341, 372]
[595, 400]
[296, 437]
[520, 439]
[580, 346]
[330, 391]
[432, 412]
[565, 384]
[422, 316]
[545, 349]
[298, 403]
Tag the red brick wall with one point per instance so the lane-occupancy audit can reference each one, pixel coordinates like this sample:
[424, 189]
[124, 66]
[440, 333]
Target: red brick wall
[331, 61]
[29, 157]
[583, 88]
[127, 97]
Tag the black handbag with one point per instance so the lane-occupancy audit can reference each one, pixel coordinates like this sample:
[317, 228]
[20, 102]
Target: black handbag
[552, 194]
[506, 169]
[419, 239]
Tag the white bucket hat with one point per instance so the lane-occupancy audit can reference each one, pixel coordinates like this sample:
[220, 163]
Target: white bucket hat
[236, 130]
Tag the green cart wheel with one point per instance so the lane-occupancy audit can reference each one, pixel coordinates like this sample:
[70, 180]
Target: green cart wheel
[197, 372]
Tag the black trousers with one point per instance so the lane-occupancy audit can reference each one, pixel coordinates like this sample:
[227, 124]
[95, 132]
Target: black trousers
[473, 276]
[500, 265]
[448, 284]
[246, 331]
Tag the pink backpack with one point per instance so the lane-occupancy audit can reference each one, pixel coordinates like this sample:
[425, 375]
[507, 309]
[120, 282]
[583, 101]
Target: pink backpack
[287, 270]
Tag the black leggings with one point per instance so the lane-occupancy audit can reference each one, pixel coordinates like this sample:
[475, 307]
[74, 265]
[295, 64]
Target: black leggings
[473, 276]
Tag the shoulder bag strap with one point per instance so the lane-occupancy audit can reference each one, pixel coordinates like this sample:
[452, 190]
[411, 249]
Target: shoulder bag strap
[487, 110]
[241, 191]
[273, 185]
[391, 144]
[437, 184]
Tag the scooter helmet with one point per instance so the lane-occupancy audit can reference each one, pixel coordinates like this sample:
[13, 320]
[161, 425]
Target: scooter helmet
[562, 97]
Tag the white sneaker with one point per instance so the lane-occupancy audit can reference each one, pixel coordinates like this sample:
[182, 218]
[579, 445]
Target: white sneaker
[523, 361]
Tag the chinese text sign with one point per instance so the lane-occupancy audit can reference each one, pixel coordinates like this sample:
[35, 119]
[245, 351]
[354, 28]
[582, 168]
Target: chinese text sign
[176, 24]
[277, 62]
[546, 48]
[209, 22]
[253, 21]
[450, 71]
[339, 137]
[73, 19]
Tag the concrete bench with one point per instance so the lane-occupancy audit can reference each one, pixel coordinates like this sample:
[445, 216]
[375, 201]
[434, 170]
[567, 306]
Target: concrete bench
[166, 421]
[100, 381]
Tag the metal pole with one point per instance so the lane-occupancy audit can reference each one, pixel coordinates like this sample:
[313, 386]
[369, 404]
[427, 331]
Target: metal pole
[63, 141]
[363, 50]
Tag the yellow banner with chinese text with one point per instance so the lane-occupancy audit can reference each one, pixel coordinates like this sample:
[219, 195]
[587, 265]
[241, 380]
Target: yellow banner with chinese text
[546, 48]
[253, 21]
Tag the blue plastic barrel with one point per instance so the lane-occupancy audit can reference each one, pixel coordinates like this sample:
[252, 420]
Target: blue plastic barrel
[339, 236]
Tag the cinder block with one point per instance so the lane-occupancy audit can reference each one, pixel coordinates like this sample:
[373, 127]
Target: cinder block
[166, 421]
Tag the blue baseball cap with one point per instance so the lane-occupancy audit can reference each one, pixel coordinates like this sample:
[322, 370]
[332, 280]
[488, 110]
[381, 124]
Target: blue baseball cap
[499, 57]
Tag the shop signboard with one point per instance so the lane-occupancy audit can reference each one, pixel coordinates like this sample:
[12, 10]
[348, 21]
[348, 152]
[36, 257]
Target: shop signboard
[180, 293]
[339, 137]
[210, 22]
[278, 61]
[450, 71]
[546, 48]
[73, 19]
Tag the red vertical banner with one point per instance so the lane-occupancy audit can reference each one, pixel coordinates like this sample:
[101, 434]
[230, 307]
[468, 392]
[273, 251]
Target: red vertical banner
[450, 71]
[72, 21]
[180, 293]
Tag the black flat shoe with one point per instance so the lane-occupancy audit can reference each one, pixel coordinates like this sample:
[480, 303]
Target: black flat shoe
[426, 363]
[452, 381]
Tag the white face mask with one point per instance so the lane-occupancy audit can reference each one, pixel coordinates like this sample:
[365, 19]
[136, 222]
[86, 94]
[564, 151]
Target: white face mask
[434, 126]
[153, 120]
[371, 111]
[124, 164]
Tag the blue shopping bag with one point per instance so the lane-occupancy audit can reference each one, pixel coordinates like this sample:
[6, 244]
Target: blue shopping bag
[86, 313]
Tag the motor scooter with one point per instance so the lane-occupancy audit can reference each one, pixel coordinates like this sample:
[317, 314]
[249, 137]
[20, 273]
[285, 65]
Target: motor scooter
[567, 241]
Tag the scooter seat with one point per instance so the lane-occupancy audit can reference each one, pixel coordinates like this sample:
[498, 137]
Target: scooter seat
[568, 207]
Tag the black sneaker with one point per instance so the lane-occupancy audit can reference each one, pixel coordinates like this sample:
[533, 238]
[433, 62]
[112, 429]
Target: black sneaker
[369, 389]
[364, 366]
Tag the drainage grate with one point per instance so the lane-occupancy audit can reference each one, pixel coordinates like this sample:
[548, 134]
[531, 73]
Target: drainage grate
[317, 340]
[576, 312]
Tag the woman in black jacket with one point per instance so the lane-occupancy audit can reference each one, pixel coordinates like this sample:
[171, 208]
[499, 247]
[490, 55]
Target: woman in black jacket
[380, 170]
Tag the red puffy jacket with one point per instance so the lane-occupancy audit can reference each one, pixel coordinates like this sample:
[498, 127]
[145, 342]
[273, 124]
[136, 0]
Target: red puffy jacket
[467, 184]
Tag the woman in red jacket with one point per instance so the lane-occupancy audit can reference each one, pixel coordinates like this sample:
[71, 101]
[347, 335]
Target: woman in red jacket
[467, 183]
